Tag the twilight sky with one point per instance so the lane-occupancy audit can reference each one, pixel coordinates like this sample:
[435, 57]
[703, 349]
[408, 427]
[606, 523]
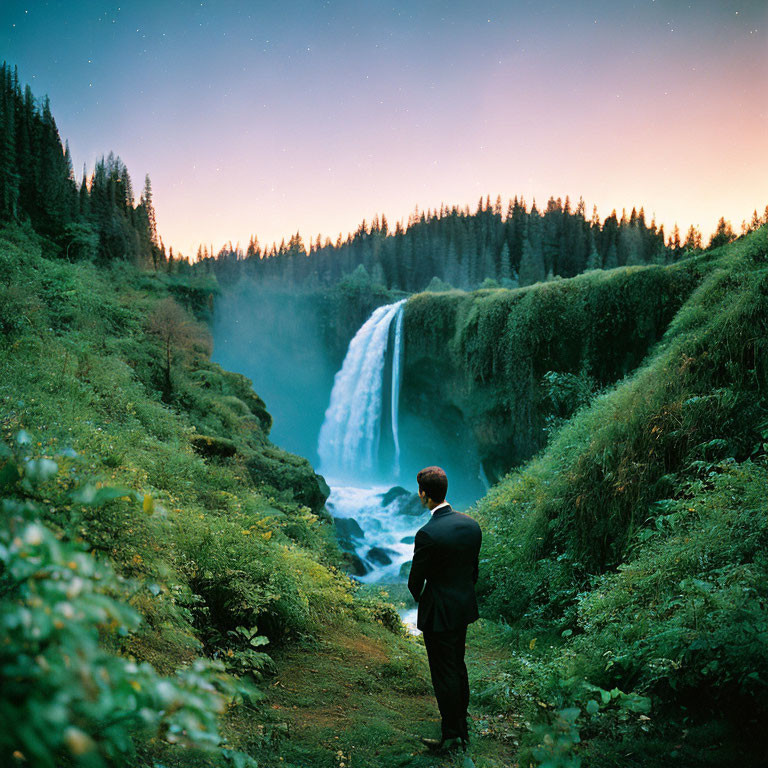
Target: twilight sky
[273, 116]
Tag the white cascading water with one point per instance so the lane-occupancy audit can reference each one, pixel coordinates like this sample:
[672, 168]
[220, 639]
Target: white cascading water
[375, 521]
[349, 438]
[397, 355]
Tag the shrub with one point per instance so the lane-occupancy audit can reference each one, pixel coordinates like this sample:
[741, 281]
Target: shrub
[66, 698]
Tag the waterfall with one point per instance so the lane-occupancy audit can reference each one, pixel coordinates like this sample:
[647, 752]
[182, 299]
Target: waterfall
[396, 379]
[349, 437]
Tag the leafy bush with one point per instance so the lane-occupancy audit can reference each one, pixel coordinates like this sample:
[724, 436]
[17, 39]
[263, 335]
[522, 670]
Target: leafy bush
[565, 394]
[64, 696]
[690, 609]
[247, 579]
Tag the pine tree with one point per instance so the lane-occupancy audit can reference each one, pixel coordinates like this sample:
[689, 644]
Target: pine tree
[723, 234]
[464, 273]
[674, 240]
[377, 275]
[631, 244]
[146, 196]
[692, 240]
[505, 267]
[9, 176]
[452, 265]
[612, 257]
[532, 268]
[26, 166]
[593, 260]
[551, 228]
[53, 196]
[488, 264]
[83, 206]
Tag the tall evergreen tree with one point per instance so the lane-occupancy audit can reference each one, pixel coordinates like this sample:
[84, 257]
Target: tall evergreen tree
[723, 234]
[9, 176]
[505, 263]
[532, 267]
[593, 260]
[692, 239]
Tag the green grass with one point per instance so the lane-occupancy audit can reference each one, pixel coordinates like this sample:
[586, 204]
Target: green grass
[358, 696]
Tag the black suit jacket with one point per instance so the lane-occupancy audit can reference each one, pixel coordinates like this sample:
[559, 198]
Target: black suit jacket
[444, 571]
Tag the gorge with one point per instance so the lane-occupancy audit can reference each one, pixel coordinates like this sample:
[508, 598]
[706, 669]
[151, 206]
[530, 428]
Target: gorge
[475, 382]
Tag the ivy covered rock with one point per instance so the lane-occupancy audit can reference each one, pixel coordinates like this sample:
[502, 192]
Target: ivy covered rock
[207, 445]
[287, 472]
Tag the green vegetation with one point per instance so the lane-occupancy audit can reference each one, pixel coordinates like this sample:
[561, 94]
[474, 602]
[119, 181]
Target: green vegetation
[141, 473]
[513, 246]
[634, 544]
[97, 220]
[624, 568]
[516, 363]
[64, 694]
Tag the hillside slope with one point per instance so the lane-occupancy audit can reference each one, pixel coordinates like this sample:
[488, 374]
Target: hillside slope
[150, 528]
[630, 554]
[483, 355]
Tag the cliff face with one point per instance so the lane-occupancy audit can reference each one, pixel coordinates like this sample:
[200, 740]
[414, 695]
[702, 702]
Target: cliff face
[480, 358]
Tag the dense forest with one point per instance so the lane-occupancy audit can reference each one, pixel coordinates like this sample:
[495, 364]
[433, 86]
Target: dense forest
[99, 219]
[171, 589]
[96, 219]
[452, 247]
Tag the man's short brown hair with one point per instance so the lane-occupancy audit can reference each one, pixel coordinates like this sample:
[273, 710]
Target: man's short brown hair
[434, 482]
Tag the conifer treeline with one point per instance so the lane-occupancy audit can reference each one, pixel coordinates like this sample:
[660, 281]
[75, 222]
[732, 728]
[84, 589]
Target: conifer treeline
[99, 219]
[96, 218]
[516, 246]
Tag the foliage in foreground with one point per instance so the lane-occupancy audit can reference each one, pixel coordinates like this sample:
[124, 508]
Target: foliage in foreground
[65, 695]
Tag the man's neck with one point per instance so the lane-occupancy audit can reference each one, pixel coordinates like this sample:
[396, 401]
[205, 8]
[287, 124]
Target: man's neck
[438, 506]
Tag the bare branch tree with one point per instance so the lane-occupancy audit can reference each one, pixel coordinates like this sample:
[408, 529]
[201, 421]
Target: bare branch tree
[179, 333]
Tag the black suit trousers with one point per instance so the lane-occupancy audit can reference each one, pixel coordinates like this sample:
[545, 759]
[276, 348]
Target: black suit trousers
[445, 651]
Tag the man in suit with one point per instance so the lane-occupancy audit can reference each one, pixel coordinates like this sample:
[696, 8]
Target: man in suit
[442, 581]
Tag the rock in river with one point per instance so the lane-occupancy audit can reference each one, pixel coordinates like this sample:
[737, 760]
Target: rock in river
[379, 555]
[347, 530]
[403, 501]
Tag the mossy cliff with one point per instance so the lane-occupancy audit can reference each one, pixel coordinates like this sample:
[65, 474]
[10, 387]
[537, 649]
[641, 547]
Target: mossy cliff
[633, 546]
[481, 357]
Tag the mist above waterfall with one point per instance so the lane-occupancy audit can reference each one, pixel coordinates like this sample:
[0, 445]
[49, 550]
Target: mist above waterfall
[338, 401]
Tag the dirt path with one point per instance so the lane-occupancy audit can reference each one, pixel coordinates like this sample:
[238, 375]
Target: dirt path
[358, 700]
